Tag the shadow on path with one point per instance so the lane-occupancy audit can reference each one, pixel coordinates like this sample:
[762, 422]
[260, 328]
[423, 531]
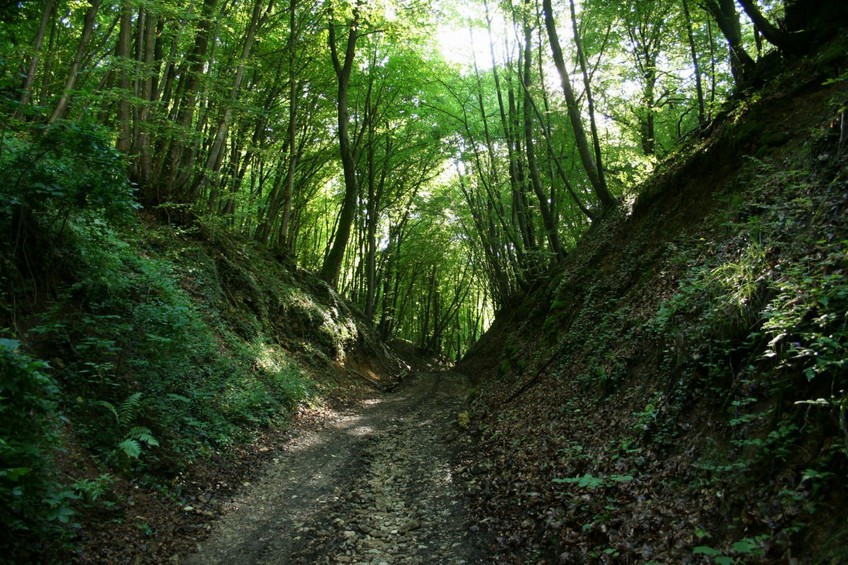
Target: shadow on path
[373, 485]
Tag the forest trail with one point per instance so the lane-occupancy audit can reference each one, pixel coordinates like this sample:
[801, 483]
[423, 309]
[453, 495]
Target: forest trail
[372, 485]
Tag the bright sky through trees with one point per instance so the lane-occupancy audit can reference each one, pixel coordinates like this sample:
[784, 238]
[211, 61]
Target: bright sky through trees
[463, 175]
[462, 37]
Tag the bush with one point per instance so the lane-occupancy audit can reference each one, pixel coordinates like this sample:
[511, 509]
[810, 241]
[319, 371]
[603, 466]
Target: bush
[51, 175]
[55, 170]
[32, 501]
[150, 370]
[152, 379]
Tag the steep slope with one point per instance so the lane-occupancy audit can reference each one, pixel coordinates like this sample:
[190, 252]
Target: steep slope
[675, 392]
[145, 365]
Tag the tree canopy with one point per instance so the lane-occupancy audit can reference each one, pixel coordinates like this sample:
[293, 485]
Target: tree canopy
[350, 136]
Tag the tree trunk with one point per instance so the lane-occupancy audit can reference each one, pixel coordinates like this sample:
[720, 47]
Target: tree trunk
[530, 142]
[544, 120]
[391, 278]
[792, 43]
[648, 130]
[215, 156]
[590, 102]
[376, 188]
[518, 181]
[331, 268]
[370, 231]
[492, 194]
[73, 73]
[443, 319]
[123, 57]
[46, 15]
[181, 155]
[699, 87]
[593, 169]
[146, 54]
[516, 172]
[741, 64]
[292, 129]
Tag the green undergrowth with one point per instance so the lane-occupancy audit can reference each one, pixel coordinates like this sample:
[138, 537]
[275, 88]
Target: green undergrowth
[150, 348]
[699, 349]
[758, 330]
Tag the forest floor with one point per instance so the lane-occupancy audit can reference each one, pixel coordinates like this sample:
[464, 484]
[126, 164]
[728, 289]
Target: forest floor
[368, 484]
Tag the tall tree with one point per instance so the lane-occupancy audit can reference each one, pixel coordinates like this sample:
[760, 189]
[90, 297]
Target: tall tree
[47, 14]
[646, 23]
[794, 43]
[82, 49]
[177, 167]
[215, 154]
[593, 167]
[123, 55]
[294, 157]
[696, 67]
[725, 15]
[529, 137]
[343, 66]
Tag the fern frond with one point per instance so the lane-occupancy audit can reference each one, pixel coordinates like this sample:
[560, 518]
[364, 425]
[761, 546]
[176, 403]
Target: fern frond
[110, 407]
[179, 398]
[130, 447]
[142, 434]
[129, 408]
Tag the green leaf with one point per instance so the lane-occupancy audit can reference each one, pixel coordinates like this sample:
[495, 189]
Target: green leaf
[128, 408]
[705, 550]
[142, 434]
[745, 546]
[16, 473]
[589, 481]
[813, 474]
[586, 481]
[62, 514]
[130, 447]
[110, 407]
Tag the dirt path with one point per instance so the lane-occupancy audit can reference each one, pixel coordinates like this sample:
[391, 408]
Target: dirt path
[373, 486]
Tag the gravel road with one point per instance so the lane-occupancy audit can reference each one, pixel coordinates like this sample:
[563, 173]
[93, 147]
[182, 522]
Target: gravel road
[371, 485]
